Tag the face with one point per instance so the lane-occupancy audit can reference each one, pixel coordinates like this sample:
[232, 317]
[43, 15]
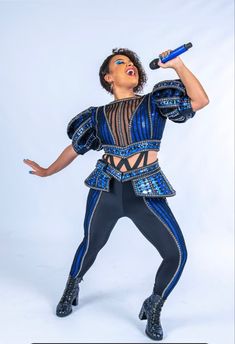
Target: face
[119, 73]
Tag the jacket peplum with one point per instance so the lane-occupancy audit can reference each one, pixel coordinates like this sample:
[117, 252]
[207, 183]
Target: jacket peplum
[90, 129]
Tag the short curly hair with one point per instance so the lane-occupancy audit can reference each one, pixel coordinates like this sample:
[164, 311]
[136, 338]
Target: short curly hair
[104, 69]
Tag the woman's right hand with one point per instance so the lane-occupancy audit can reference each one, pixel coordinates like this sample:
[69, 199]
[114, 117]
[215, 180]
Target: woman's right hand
[38, 170]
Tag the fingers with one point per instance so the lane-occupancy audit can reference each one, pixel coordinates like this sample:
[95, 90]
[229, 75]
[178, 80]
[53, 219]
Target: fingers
[165, 53]
[27, 161]
[34, 165]
[31, 163]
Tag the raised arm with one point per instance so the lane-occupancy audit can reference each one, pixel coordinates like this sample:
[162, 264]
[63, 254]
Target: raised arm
[195, 91]
[64, 159]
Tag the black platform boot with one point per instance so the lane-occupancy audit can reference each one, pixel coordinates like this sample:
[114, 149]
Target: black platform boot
[150, 310]
[69, 297]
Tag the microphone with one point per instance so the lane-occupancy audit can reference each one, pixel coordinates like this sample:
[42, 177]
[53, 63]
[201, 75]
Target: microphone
[173, 54]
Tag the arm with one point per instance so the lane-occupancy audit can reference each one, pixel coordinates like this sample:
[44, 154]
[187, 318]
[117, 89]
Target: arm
[64, 159]
[194, 89]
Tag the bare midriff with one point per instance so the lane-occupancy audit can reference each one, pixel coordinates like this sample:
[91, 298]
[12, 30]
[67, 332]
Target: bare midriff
[152, 157]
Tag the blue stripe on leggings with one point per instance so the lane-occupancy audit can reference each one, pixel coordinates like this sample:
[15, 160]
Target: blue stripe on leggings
[90, 205]
[161, 209]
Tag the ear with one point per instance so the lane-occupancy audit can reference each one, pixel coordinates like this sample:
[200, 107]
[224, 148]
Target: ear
[107, 78]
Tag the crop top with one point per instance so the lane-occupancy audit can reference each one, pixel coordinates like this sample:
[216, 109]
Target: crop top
[128, 126]
[125, 121]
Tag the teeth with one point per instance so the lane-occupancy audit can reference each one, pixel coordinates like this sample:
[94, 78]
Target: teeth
[130, 72]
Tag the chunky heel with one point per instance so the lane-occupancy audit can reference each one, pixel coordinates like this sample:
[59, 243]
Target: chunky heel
[75, 301]
[151, 311]
[69, 297]
[142, 314]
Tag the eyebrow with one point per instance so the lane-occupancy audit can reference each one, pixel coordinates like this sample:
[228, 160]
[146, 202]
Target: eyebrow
[120, 59]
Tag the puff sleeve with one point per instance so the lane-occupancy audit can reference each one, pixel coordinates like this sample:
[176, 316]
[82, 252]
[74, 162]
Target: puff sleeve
[172, 100]
[82, 131]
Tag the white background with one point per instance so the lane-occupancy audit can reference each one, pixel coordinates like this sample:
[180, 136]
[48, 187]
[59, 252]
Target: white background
[51, 52]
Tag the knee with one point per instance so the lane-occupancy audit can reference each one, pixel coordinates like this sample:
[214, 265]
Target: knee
[182, 249]
[173, 259]
[178, 257]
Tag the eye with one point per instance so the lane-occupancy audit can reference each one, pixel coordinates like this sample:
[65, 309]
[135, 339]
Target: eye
[118, 62]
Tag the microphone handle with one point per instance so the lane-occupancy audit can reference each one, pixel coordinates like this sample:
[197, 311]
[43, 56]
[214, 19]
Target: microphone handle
[172, 55]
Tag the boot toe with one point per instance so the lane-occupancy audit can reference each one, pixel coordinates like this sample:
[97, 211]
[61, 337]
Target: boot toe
[154, 335]
[63, 310]
[154, 332]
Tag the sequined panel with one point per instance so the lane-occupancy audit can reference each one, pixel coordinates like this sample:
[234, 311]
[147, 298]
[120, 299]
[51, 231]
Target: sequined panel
[101, 175]
[80, 145]
[144, 183]
[155, 185]
[173, 101]
[173, 84]
[98, 179]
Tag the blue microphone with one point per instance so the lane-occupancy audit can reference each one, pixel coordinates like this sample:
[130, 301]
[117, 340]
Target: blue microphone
[173, 54]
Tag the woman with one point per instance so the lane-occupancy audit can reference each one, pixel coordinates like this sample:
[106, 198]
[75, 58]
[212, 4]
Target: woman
[128, 180]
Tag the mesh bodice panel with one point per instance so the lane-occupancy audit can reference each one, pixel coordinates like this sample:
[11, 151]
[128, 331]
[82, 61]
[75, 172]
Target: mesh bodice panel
[118, 114]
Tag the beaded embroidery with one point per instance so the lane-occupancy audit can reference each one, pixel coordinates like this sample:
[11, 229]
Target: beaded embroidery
[154, 185]
[125, 152]
[145, 183]
[91, 130]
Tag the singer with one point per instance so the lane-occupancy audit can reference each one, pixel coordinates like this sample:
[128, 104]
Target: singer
[128, 180]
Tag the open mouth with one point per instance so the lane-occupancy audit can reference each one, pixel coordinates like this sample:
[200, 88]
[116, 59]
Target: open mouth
[131, 72]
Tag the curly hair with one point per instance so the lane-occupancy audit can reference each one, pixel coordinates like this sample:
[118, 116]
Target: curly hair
[104, 69]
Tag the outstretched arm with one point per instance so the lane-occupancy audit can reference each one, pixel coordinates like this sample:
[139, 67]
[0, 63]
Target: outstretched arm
[64, 159]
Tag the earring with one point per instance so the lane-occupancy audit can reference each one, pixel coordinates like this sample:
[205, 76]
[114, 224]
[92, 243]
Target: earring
[111, 86]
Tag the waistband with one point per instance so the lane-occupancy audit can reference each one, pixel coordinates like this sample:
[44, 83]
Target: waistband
[132, 148]
[127, 175]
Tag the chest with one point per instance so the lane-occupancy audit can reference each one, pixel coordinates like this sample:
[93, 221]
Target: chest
[119, 116]
[125, 122]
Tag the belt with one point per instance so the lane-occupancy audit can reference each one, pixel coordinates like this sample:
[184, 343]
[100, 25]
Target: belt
[133, 148]
[147, 180]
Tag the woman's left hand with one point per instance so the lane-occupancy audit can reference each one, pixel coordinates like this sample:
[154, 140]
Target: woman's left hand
[175, 62]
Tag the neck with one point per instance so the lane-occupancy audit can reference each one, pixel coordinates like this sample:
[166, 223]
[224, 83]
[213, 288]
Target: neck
[121, 93]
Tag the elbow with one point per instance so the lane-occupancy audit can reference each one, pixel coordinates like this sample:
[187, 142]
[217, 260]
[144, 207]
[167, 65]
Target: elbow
[206, 101]
[199, 105]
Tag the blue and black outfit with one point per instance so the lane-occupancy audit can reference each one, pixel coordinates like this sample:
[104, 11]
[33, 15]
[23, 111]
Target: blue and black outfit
[130, 128]
[123, 128]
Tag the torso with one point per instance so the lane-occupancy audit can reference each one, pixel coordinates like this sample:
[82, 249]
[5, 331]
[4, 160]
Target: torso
[118, 114]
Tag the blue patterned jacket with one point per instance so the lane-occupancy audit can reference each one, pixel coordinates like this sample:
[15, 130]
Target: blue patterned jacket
[90, 130]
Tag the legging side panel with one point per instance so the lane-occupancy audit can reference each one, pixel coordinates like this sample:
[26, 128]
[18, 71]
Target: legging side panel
[91, 204]
[103, 209]
[161, 209]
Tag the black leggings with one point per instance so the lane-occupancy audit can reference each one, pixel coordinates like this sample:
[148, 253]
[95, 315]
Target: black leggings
[151, 215]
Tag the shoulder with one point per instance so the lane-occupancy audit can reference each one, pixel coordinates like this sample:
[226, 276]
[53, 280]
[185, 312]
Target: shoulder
[85, 113]
[85, 117]
[174, 84]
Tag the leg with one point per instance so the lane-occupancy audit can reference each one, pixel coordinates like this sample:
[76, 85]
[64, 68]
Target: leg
[156, 221]
[174, 253]
[102, 212]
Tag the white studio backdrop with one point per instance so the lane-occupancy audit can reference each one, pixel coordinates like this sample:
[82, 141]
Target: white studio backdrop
[51, 52]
